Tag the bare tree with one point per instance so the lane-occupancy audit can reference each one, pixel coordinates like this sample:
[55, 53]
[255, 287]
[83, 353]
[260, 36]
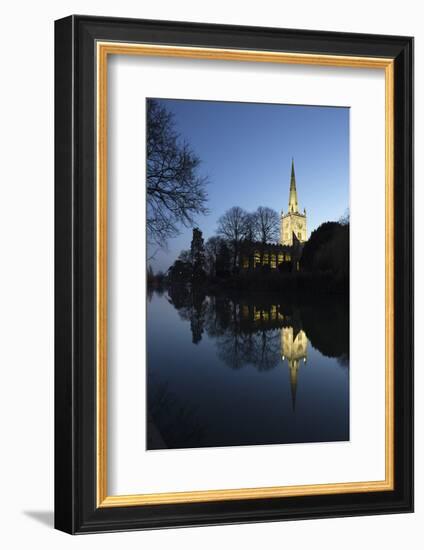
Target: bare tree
[251, 227]
[267, 224]
[232, 227]
[176, 193]
[344, 220]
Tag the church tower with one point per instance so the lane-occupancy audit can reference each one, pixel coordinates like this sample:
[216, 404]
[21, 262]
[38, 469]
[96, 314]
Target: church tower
[293, 223]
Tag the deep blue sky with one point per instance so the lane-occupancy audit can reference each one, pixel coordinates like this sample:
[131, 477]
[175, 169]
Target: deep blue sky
[246, 151]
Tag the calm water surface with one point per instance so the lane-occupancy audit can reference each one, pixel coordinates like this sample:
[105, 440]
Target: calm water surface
[245, 370]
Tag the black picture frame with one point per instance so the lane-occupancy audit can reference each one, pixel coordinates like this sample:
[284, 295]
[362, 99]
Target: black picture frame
[76, 508]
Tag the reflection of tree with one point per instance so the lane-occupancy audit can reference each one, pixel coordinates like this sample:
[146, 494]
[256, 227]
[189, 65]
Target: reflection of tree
[191, 304]
[171, 423]
[247, 329]
[266, 349]
[217, 316]
[230, 349]
[179, 297]
[343, 360]
[197, 316]
[260, 350]
[265, 331]
[223, 325]
[327, 327]
[239, 341]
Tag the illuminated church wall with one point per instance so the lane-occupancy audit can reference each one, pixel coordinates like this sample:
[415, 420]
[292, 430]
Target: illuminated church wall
[292, 223]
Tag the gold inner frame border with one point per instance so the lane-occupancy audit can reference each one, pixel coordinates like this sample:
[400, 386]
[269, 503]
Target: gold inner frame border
[103, 50]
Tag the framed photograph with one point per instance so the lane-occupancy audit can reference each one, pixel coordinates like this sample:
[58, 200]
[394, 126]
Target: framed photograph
[234, 274]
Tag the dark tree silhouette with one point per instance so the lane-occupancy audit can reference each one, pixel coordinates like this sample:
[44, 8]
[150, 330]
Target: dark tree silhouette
[197, 252]
[267, 225]
[333, 255]
[232, 226]
[176, 193]
[185, 256]
[180, 272]
[323, 234]
[344, 220]
[150, 275]
[197, 315]
[327, 250]
[327, 327]
[250, 227]
[223, 260]
[212, 248]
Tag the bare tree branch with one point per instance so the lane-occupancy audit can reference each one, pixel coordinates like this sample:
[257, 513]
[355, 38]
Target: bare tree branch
[267, 225]
[233, 227]
[175, 191]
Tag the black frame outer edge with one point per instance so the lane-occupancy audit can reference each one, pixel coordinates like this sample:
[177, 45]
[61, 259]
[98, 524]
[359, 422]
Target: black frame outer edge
[75, 287]
[64, 449]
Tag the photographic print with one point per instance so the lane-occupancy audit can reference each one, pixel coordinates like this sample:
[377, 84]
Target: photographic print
[247, 273]
[211, 292]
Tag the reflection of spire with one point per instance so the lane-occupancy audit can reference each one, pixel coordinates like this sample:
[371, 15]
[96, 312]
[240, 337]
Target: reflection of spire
[294, 344]
[293, 368]
[293, 193]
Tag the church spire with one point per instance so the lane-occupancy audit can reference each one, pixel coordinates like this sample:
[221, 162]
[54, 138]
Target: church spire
[293, 193]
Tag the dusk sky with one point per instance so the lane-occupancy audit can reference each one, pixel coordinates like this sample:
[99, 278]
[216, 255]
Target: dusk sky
[246, 151]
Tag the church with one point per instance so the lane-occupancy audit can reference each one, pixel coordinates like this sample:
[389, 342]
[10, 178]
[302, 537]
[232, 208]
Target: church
[293, 234]
[293, 339]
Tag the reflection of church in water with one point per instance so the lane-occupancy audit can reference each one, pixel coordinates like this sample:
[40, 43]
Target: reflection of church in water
[293, 350]
[293, 339]
[293, 234]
